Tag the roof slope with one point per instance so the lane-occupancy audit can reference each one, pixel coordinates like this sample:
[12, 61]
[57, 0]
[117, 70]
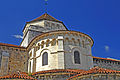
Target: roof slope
[11, 45]
[74, 71]
[96, 70]
[45, 17]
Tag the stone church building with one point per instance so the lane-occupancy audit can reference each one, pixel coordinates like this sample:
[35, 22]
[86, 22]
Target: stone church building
[49, 51]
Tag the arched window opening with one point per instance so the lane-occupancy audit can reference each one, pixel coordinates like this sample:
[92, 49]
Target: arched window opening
[45, 59]
[77, 57]
[58, 26]
[53, 26]
[47, 24]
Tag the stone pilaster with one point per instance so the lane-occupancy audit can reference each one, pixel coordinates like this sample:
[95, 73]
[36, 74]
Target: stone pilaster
[60, 53]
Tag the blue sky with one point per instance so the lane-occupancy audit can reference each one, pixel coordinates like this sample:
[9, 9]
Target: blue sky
[98, 18]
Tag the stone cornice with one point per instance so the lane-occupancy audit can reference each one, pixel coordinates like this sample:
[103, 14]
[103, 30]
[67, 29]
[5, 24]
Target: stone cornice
[59, 33]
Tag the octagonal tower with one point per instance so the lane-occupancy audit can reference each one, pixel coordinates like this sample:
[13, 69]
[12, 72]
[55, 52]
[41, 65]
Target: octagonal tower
[42, 24]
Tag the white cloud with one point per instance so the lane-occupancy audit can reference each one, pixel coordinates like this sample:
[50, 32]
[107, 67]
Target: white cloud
[18, 36]
[107, 48]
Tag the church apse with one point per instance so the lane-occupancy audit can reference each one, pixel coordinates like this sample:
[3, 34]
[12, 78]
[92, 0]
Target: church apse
[54, 43]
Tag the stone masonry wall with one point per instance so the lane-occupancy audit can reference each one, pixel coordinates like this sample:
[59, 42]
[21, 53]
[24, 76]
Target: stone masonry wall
[114, 65]
[12, 59]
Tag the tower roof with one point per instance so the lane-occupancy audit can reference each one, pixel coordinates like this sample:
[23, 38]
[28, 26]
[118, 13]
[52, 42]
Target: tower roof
[45, 17]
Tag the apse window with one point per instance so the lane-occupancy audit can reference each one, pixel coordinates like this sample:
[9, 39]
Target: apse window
[45, 59]
[77, 57]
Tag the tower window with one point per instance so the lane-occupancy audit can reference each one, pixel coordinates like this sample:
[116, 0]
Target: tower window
[77, 57]
[58, 26]
[45, 59]
[53, 26]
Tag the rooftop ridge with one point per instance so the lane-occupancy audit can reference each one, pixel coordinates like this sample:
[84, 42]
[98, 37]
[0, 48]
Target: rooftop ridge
[45, 16]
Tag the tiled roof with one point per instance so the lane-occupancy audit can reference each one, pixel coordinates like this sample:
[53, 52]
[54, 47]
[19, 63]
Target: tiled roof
[96, 70]
[10, 45]
[106, 59]
[101, 70]
[45, 17]
[60, 70]
[18, 75]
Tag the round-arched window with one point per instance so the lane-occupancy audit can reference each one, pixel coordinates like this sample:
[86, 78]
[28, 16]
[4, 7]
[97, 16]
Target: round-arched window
[76, 57]
[45, 59]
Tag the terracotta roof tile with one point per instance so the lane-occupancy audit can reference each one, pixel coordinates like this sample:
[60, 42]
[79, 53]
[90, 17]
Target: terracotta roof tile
[45, 17]
[11, 45]
[76, 71]
[96, 70]
[18, 75]
[106, 59]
